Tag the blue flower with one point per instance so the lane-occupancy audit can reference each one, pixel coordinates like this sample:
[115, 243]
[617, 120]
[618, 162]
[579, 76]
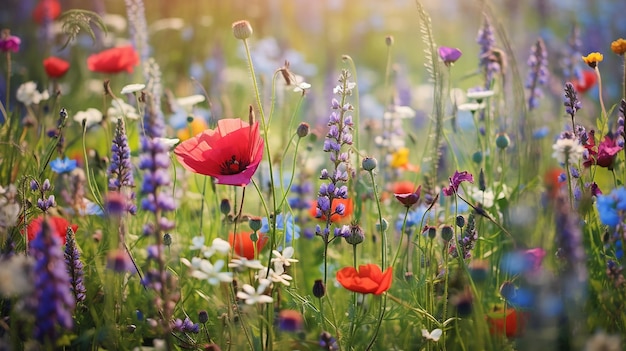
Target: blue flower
[61, 166]
[292, 232]
[609, 205]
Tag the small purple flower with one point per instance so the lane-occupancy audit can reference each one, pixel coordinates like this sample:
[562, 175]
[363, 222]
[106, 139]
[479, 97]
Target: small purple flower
[449, 55]
[456, 180]
[8, 42]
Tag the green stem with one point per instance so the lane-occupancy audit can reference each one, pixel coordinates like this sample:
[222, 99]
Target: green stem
[406, 215]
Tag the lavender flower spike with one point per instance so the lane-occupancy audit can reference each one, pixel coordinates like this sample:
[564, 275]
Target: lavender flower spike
[53, 300]
[74, 267]
[121, 171]
[487, 40]
[538, 75]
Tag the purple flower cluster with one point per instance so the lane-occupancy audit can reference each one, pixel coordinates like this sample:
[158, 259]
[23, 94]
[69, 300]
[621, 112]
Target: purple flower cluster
[53, 300]
[8, 42]
[467, 241]
[621, 115]
[120, 170]
[74, 267]
[538, 75]
[300, 202]
[138, 27]
[155, 163]
[185, 326]
[339, 134]
[44, 202]
[571, 102]
[487, 40]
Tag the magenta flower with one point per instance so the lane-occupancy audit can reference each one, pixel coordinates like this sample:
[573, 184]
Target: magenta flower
[449, 55]
[409, 199]
[604, 154]
[9, 42]
[456, 180]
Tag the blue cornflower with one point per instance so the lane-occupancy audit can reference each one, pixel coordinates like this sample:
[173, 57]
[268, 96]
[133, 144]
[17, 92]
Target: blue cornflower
[609, 206]
[61, 166]
[541, 132]
[292, 232]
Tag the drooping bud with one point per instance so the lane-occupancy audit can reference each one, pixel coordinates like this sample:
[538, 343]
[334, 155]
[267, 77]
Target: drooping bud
[242, 29]
[369, 164]
[303, 130]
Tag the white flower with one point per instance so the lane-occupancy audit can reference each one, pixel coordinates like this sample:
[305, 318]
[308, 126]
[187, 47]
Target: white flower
[14, 277]
[120, 109]
[602, 341]
[132, 88]
[197, 243]
[479, 94]
[301, 87]
[28, 94]
[218, 245]
[471, 106]
[400, 112]
[212, 272]
[285, 257]
[189, 102]
[91, 116]
[169, 142]
[338, 90]
[567, 148]
[488, 197]
[253, 296]
[277, 276]
[114, 22]
[242, 263]
[433, 335]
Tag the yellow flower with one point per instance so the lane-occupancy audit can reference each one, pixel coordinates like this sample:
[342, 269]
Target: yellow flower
[619, 46]
[400, 158]
[197, 126]
[593, 58]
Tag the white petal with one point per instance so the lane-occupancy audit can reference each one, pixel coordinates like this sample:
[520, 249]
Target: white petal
[132, 88]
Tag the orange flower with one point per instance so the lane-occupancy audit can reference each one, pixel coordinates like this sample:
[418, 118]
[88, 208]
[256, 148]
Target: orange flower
[369, 279]
[347, 203]
[510, 322]
[244, 246]
[587, 82]
[403, 187]
[197, 126]
[55, 67]
[231, 153]
[619, 46]
[115, 60]
[551, 182]
[46, 10]
[593, 59]
[58, 224]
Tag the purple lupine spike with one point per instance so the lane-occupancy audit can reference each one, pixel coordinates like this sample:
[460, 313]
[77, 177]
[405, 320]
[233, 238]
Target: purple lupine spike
[339, 135]
[121, 171]
[74, 267]
[571, 62]
[538, 74]
[621, 115]
[467, 242]
[53, 298]
[571, 102]
[487, 40]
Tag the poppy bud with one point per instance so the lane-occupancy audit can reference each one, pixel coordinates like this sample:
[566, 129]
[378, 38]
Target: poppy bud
[242, 29]
[356, 235]
[225, 206]
[502, 141]
[460, 221]
[303, 130]
[384, 226]
[319, 290]
[255, 223]
[369, 163]
[447, 233]
[203, 316]
[477, 157]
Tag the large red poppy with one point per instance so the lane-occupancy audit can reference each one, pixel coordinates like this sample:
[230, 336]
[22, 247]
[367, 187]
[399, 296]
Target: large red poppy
[369, 279]
[55, 67]
[46, 9]
[244, 246]
[510, 322]
[59, 226]
[115, 60]
[230, 153]
[587, 82]
[335, 217]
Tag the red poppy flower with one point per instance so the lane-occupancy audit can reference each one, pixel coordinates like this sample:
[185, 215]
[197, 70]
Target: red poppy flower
[551, 182]
[348, 209]
[55, 67]
[244, 246]
[409, 199]
[605, 153]
[58, 224]
[115, 60]
[230, 153]
[587, 82]
[510, 322]
[46, 10]
[369, 279]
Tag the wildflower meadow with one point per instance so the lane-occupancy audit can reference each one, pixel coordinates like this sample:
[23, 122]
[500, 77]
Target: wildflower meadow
[312, 175]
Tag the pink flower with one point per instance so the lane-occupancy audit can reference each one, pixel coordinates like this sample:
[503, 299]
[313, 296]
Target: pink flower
[9, 42]
[230, 153]
[605, 153]
[456, 180]
[449, 55]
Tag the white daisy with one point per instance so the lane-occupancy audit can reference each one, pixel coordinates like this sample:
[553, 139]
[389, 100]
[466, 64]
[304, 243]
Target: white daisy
[132, 88]
[212, 272]
[276, 275]
[91, 116]
[254, 296]
[569, 149]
